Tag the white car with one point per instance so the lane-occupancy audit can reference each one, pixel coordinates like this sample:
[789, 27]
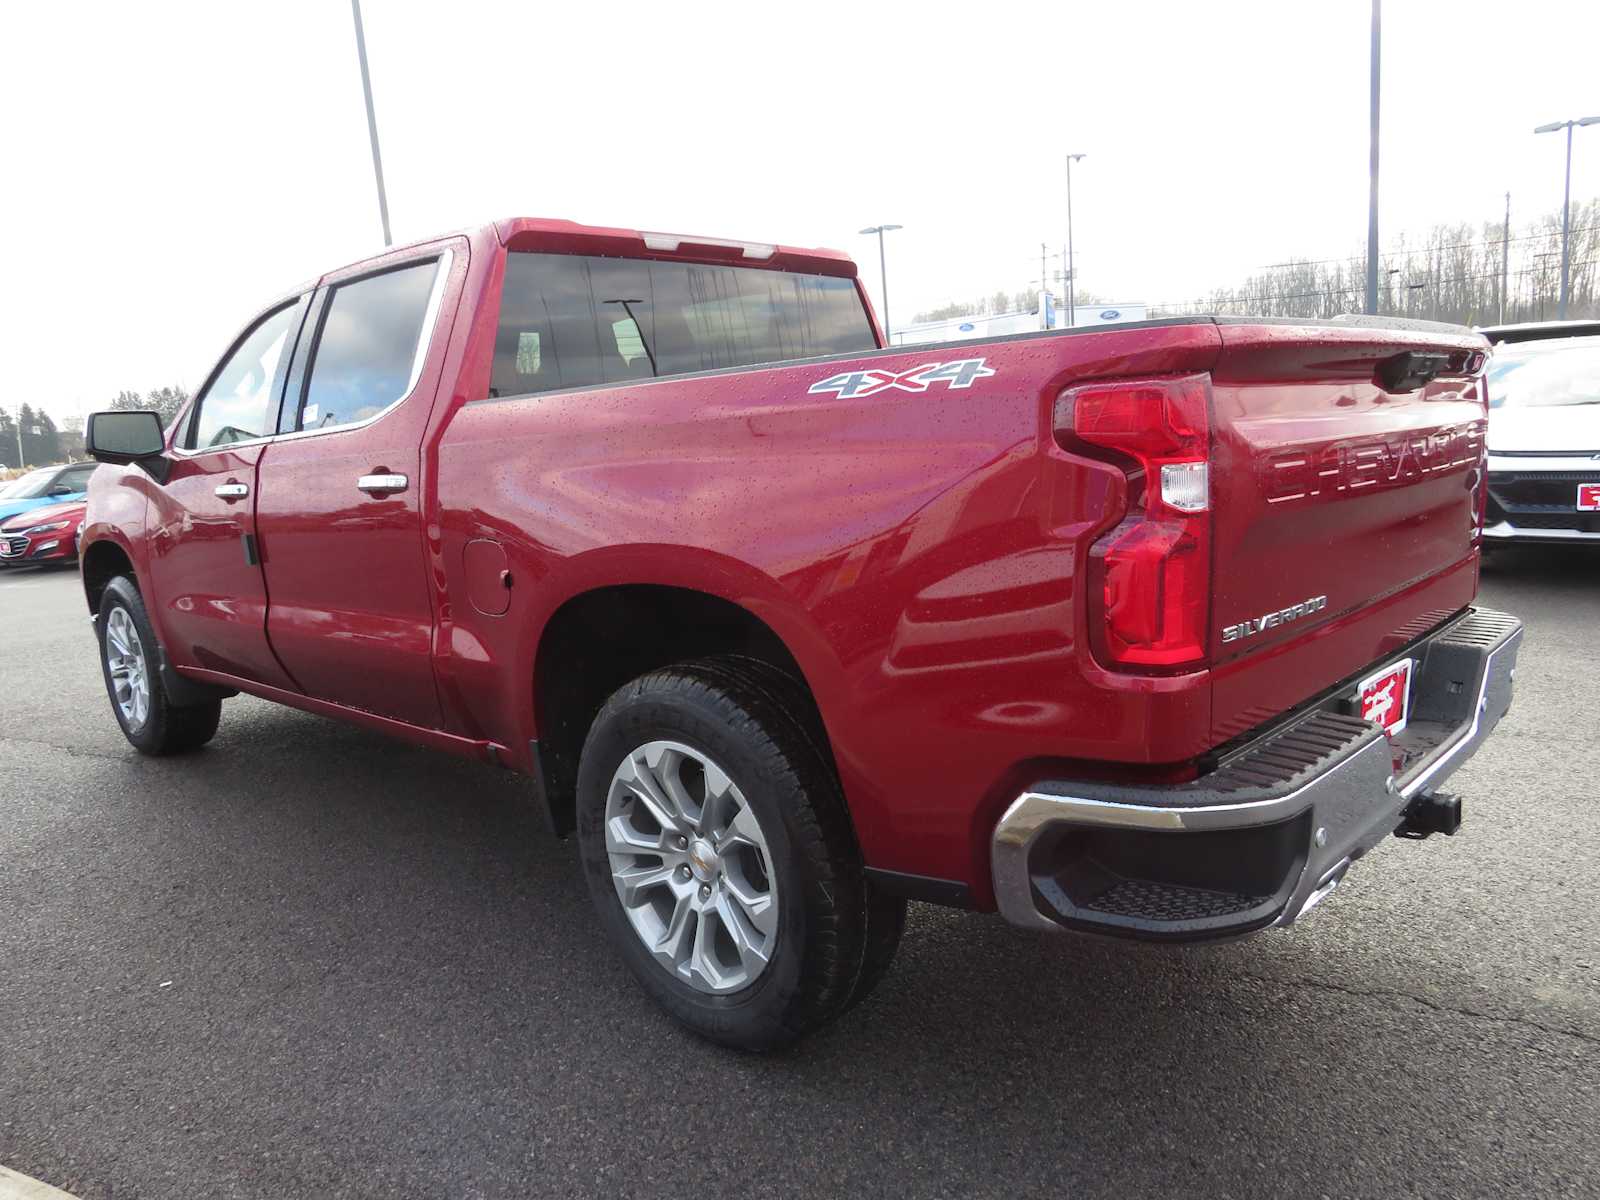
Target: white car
[1544, 434]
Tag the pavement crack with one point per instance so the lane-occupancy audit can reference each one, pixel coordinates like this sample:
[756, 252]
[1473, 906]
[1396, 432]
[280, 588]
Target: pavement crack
[74, 751]
[1433, 1005]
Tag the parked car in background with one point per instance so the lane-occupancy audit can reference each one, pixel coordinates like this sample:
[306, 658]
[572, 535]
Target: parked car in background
[47, 485]
[42, 535]
[1544, 434]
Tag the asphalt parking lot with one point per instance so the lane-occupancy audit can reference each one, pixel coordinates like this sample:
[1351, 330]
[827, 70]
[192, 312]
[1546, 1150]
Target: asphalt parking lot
[312, 961]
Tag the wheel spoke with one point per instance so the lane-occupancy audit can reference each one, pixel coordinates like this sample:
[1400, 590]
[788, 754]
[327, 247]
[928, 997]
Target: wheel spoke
[623, 838]
[704, 962]
[756, 907]
[750, 944]
[718, 786]
[744, 830]
[634, 882]
[639, 779]
[673, 944]
[668, 773]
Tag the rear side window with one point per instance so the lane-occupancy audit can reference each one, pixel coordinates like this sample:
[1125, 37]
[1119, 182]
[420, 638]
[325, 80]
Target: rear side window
[241, 402]
[76, 478]
[569, 321]
[370, 348]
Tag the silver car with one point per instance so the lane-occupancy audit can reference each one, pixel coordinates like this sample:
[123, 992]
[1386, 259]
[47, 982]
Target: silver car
[1544, 434]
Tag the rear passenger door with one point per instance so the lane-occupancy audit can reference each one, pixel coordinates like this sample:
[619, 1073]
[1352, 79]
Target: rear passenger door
[339, 503]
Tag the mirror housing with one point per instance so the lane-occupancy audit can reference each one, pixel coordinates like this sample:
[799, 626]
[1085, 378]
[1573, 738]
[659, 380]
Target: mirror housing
[124, 437]
[59, 489]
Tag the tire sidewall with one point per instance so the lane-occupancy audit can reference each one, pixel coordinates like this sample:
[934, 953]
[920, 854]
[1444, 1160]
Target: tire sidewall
[760, 1013]
[120, 593]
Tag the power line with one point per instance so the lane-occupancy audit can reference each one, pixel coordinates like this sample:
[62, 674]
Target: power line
[1221, 296]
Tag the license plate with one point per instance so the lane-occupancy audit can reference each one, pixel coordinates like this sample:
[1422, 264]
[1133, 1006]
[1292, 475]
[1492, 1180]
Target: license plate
[1589, 497]
[1385, 697]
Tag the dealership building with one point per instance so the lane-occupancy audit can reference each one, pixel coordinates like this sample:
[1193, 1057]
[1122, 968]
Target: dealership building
[1047, 316]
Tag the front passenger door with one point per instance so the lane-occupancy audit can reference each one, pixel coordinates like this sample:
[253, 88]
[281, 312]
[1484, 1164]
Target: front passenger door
[207, 574]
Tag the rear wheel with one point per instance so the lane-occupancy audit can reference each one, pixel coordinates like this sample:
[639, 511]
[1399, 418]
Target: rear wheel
[719, 855]
[130, 661]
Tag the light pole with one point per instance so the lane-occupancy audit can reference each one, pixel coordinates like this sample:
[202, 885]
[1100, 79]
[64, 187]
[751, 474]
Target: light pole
[372, 122]
[1372, 162]
[1566, 201]
[883, 270]
[1072, 282]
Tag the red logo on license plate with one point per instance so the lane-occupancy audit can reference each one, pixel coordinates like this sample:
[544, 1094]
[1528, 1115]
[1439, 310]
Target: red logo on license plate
[1385, 697]
[1589, 497]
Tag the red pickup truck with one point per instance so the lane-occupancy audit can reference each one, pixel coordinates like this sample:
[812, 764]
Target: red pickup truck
[1146, 632]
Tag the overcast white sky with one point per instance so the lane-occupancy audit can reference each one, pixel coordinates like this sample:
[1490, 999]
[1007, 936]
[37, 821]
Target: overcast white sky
[171, 166]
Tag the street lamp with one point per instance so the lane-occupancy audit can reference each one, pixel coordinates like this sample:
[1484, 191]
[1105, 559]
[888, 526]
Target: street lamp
[1072, 273]
[372, 121]
[1566, 201]
[883, 270]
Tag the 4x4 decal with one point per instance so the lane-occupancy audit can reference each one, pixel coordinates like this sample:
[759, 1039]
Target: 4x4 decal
[958, 374]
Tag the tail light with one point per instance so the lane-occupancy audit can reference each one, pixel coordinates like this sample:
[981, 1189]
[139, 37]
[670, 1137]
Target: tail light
[1154, 569]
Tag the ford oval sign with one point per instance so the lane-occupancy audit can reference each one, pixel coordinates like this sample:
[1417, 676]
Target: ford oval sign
[965, 327]
[1110, 314]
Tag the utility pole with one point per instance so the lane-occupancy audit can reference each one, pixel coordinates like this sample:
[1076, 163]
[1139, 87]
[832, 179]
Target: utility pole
[1372, 170]
[1072, 282]
[1044, 278]
[372, 122]
[1505, 260]
[21, 462]
[1567, 196]
[883, 271]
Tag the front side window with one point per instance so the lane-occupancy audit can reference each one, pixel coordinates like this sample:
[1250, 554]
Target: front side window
[569, 321]
[75, 479]
[241, 402]
[370, 348]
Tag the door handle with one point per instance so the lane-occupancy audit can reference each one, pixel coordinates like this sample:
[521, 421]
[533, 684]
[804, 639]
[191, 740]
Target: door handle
[233, 491]
[375, 485]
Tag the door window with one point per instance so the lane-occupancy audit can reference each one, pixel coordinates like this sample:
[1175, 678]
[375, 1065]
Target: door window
[75, 479]
[371, 347]
[241, 402]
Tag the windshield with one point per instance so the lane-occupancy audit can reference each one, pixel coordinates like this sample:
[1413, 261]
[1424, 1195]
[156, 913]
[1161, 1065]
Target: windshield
[31, 486]
[1546, 374]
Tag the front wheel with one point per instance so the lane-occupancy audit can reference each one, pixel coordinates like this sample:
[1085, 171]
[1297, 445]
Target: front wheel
[130, 661]
[720, 857]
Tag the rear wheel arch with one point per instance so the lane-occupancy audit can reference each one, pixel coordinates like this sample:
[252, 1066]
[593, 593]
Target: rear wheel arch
[601, 639]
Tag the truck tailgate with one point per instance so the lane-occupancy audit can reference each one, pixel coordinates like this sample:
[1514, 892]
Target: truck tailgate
[1345, 486]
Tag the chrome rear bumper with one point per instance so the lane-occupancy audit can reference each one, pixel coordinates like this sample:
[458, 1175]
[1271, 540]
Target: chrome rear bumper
[1270, 832]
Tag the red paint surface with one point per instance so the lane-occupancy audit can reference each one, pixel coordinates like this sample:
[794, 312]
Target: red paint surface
[922, 556]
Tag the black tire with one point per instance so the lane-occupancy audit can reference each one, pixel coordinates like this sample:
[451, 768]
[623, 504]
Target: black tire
[835, 933]
[166, 728]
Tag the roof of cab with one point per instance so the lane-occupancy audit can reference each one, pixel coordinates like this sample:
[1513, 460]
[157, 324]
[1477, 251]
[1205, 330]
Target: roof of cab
[569, 237]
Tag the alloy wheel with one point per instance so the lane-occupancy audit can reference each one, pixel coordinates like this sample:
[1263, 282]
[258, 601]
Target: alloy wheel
[129, 669]
[691, 867]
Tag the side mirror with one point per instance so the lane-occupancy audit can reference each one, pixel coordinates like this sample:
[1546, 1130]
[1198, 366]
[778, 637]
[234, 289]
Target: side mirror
[123, 437]
[59, 489]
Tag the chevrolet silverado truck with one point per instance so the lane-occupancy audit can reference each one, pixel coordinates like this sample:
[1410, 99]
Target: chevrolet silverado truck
[1147, 632]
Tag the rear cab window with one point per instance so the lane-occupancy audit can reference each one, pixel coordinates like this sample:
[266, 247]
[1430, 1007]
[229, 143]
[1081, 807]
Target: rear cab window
[574, 321]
